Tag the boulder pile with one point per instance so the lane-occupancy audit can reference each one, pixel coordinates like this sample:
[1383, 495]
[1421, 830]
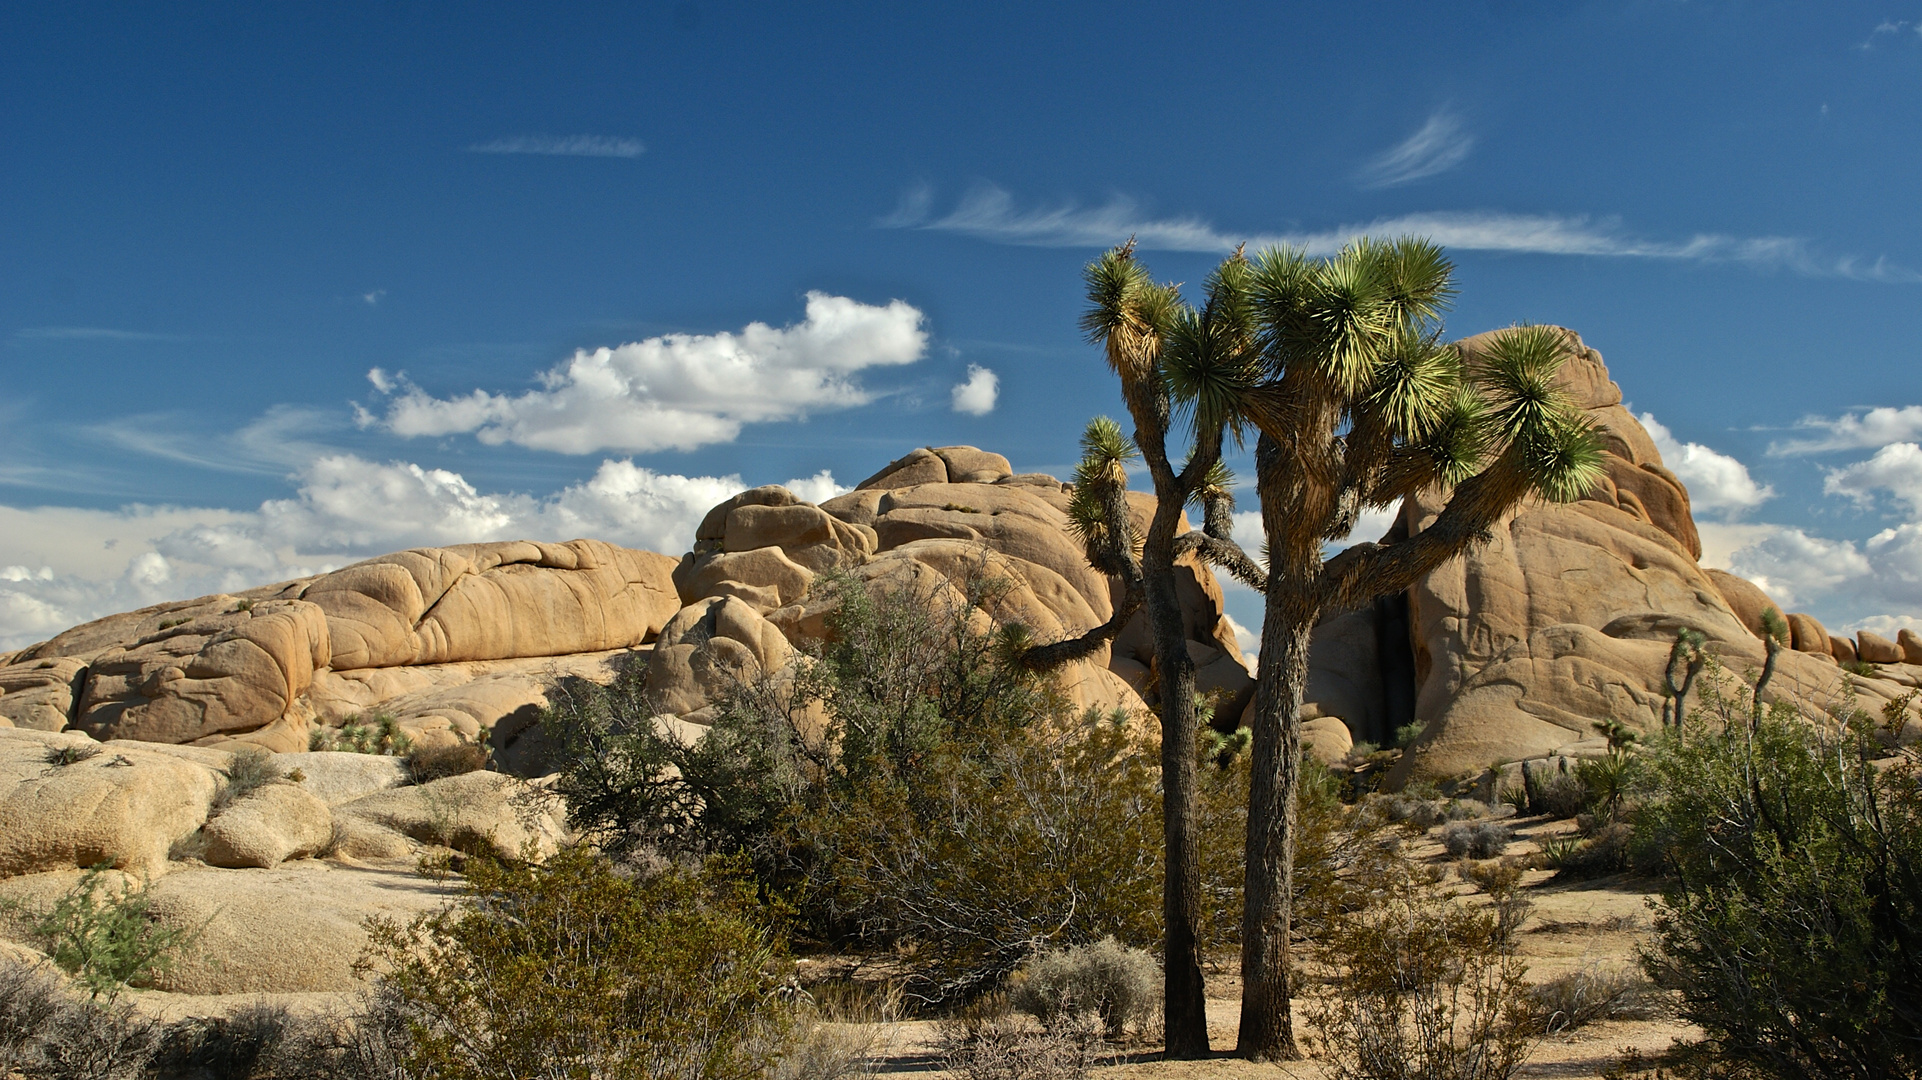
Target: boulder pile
[121, 740]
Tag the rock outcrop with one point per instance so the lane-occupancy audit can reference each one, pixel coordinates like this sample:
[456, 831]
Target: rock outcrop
[1566, 615]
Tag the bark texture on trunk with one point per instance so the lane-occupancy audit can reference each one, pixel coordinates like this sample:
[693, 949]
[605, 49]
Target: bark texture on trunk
[1184, 1006]
[1267, 1019]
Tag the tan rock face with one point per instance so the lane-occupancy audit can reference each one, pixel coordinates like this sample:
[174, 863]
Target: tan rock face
[126, 805]
[1567, 614]
[1876, 649]
[494, 602]
[39, 694]
[1911, 643]
[268, 826]
[1808, 635]
[234, 668]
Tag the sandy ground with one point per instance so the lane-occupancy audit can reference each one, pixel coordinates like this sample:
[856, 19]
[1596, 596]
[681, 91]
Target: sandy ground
[1572, 925]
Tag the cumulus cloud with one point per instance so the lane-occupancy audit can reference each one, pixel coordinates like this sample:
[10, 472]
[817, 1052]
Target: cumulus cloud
[1853, 431]
[676, 391]
[1437, 147]
[563, 146]
[977, 395]
[1840, 581]
[57, 574]
[1716, 482]
[1896, 469]
[989, 213]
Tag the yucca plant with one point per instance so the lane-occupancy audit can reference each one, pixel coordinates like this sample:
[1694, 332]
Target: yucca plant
[1336, 365]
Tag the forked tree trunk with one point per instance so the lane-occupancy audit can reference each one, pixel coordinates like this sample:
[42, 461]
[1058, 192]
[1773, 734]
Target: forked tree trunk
[1267, 1021]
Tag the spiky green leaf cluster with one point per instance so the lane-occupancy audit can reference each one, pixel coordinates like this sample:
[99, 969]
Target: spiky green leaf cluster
[1105, 453]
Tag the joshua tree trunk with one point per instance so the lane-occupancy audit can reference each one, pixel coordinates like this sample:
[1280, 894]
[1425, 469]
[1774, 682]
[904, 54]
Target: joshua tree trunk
[1267, 1023]
[1184, 1005]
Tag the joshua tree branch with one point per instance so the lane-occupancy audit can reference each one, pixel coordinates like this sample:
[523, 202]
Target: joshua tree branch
[1068, 650]
[1226, 554]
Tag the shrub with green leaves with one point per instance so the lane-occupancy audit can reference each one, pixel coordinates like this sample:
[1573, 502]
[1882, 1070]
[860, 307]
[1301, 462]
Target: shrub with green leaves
[572, 969]
[1792, 927]
[103, 934]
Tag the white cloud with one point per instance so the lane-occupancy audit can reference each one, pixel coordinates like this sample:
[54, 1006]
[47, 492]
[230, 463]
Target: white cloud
[374, 298]
[1715, 482]
[60, 567]
[1854, 431]
[679, 390]
[1896, 469]
[1886, 625]
[563, 146]
[1249, 641]
[977, 395]
[1439, 146]
[989, 213]
[1797, 569]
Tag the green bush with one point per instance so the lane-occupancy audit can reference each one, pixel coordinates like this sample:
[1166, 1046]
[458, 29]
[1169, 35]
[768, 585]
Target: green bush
[1476, 840]
[905, 786]
[103, 935]
[1792, 928]
[572, 969]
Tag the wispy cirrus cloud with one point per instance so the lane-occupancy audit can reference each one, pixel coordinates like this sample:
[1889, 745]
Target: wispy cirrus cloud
[1889, 28]
[989, 212]
[91, 333]
[563, 146]
[1438, 146]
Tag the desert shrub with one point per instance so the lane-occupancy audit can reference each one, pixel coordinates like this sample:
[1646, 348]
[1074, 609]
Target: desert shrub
[1792, 925]
[1419, 987]
[572, 969]
[1002, 1048]
[1608, 850]
[367, 733]
[252, 768]
[1592, 994]
[1501, 881]
[1476, 840]
[951, 804]
[1406, 735]
[1106, 980]
[29, 997]
[243, 1045]
[47, 1033]
[62, 756]
[440, 762]
[102, 934]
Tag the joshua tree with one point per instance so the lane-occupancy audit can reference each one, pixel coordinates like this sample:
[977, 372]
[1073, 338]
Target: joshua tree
[1689, 653]
[1151, 338]
[1359, 405]
[1337, 365]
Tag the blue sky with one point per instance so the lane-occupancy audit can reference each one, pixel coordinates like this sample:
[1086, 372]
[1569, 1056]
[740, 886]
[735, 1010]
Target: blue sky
[282, 286]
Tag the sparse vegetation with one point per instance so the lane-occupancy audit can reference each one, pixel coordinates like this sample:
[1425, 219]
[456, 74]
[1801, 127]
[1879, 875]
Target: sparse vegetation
[1420, 986]
[72, 754]
[368, 733]
[1106, 982]
[454, 759]
[252, 768]
[575, 969]
[1596, 993]
[101, 933]
[1477, 840]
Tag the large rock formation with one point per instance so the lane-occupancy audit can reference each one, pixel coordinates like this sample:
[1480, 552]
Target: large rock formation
[1565, 617]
